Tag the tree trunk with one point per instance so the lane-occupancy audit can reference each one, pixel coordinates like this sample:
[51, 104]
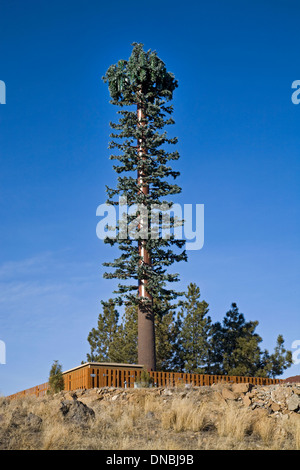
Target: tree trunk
[146, 331]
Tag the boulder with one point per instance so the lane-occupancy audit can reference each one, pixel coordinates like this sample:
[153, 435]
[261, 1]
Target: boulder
[241, 388]
[18, 417]
[76, 411]
[293, 402]
[281, 394]
[275, 407]
[228, 394]
[246, 401]
[21, 418]
[33, 421]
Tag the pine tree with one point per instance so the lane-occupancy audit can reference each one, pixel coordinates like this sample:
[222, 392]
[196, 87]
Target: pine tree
[125, 344]
[276, 363]
[102, 338]
[195, 332]
[143, 169]
[245, 359]
[56, 380]
[235, 349]
[166, 337]
[228, 338]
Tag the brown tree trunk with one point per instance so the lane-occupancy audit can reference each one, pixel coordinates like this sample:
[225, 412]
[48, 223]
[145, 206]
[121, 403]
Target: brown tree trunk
[146, 331]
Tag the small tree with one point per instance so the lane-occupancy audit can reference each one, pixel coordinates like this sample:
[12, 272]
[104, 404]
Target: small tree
[281, 359]
[144, 380]
[56, 380]
[195, 331]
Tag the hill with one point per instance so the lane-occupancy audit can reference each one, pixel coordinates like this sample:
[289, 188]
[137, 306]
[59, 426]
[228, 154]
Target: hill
[222, 416]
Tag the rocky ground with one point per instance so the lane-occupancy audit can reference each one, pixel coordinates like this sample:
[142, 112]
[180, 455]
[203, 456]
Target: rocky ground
[223, 416]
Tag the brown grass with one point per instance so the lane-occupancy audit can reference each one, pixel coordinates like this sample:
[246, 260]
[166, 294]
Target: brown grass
[141, 419]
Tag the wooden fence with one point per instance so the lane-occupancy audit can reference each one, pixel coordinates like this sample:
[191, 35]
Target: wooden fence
[91, 375]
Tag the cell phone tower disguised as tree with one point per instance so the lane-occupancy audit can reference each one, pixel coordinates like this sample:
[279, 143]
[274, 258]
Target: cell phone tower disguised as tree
[142, 87]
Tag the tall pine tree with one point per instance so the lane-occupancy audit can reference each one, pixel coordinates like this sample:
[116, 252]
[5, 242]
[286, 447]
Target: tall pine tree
[102, 338]
[194, 333]
[142, 88]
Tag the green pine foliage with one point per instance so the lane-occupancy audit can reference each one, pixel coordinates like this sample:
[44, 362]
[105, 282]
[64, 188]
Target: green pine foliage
[125, 344]
[114, 341]
[235, 349]
[143, 79]
[195, 331]
[274, 364]
[144, 380]
[229, 340]
[102, 339]
[189, 341]
[56, 380]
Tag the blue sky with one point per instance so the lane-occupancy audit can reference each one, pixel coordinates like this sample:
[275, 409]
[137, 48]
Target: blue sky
[239, 142]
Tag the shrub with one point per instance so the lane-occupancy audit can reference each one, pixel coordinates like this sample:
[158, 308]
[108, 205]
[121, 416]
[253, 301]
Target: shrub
[56, 380]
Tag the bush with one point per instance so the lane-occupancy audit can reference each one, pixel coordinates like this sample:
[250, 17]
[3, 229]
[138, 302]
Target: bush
[144, 380]
[56, 380]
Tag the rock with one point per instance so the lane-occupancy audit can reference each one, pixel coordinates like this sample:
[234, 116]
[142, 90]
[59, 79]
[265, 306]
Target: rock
[70, 396]
[260, 413]
[18, 418]
[21, 418]
[293, 403]
[33, 421]
[4, 402]
[281, 394]
[229, 394]
[275, 407]
[76, 411]
[247, 401]
[241, 388]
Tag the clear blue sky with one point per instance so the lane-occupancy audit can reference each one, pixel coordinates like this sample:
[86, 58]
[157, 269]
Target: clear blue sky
[239, 142]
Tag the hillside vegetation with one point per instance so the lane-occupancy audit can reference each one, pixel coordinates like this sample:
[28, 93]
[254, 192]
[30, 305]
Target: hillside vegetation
[222, 416]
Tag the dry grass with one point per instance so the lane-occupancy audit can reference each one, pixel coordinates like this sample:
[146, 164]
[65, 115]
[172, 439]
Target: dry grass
[148, 421]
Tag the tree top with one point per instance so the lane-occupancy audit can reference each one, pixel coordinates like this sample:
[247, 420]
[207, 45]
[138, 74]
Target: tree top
[144, 73]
